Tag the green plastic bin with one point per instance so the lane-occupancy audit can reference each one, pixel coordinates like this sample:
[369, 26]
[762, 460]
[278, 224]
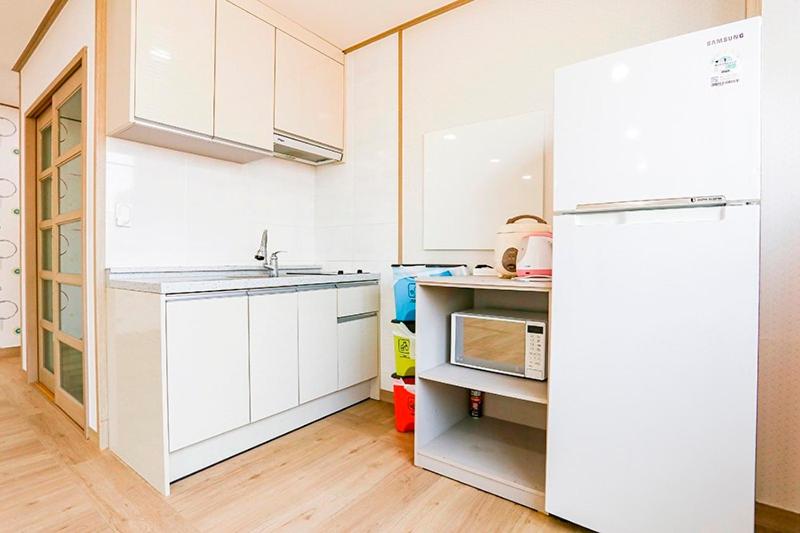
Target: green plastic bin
[405, 341]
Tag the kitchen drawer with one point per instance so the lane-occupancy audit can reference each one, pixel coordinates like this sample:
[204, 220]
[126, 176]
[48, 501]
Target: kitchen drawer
[358, 299]
[358, 349]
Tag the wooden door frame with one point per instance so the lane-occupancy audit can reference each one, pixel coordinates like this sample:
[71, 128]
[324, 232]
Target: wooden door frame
[30, 290]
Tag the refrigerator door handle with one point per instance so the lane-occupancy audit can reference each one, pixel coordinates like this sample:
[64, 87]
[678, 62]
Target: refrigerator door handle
[647, 205]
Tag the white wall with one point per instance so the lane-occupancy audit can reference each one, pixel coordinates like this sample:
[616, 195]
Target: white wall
[9, 88]
[10, 304]
[72, 30]
[189, 210]
[356, 202]
[495, 58]
[778, 447]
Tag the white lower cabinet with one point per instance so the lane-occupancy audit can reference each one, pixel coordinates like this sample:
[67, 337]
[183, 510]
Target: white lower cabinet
[273, 353]
[218, 373]
[208, 384]
[358, 349]
[317, 343]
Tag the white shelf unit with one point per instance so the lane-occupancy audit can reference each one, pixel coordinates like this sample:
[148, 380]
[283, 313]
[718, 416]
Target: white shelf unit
[504, 452]
[501, 457]
[501, 384]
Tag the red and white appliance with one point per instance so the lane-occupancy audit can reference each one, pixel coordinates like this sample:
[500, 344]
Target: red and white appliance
[536, 257]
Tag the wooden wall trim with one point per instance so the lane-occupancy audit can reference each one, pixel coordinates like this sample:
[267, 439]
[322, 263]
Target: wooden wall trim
[404, 26]
[752, 8]
[38, 35]
[776, 519]
[400, 147]
[98, 221]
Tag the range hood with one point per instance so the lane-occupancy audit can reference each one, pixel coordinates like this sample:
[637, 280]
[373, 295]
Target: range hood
[302, 150]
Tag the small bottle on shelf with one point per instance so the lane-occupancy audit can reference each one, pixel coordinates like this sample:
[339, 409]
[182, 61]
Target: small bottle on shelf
[475, 403]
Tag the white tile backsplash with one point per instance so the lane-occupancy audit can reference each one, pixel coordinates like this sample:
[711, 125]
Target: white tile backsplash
[193, 210]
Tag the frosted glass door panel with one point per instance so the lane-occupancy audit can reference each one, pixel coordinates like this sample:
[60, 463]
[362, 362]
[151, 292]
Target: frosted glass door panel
[45, 199]
[45, 148]
[70, 183]
[480, 175]
[69, 123]
[71, 310]
[70, 245]
[71, 375]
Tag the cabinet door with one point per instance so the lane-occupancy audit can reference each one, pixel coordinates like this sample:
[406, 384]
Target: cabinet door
[207, 368]
[358, 350]
[309, 92]
[175, 63]
[273, 354]
[317, 343]
[245, 77]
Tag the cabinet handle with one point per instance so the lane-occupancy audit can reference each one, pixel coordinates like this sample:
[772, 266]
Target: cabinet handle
[349, 284]
[352, 318]
[212, 295]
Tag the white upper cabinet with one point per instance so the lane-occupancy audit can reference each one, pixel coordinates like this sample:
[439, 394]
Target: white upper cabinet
[199, 76]
[245, 77]
[309, 92]
[174, 81]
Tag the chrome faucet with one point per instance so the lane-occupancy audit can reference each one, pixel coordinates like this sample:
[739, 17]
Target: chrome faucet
[261, 255]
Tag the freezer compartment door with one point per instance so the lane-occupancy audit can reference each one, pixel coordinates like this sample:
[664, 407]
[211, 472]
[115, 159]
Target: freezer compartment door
[675, 118]
[652, 410]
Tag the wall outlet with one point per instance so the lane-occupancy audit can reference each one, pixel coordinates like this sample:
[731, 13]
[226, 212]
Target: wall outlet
[123, 215]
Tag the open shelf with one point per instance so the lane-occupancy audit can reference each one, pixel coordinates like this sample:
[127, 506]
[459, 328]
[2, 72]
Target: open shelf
[525, 389]
[484, 282]
[494, 455]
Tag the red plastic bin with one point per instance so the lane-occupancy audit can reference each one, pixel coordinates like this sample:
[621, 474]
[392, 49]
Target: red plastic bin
[403, 403]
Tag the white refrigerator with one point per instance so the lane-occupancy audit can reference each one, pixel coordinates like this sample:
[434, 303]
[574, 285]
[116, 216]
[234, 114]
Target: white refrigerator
[654, 339]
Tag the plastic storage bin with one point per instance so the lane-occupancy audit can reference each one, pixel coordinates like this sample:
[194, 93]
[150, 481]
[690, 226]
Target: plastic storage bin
[404, 398]
[405, 285]
[405, 340]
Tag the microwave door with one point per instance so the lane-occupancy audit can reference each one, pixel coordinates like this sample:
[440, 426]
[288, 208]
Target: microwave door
[491, 344]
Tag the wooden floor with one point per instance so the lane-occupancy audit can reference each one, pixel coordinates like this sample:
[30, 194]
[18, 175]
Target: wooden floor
[349, 472]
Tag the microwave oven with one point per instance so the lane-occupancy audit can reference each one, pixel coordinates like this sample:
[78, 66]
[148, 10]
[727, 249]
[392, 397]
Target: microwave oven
[500, 340]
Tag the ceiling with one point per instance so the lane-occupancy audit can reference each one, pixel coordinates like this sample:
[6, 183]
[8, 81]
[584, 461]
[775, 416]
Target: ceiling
[347, 22]
[18, 21]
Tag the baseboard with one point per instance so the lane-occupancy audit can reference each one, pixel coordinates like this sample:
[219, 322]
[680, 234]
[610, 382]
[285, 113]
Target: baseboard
[10, 352]
[195, 457]
[774, 519]
[387, 396]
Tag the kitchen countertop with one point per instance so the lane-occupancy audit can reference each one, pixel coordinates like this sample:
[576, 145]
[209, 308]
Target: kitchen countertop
[227, 278]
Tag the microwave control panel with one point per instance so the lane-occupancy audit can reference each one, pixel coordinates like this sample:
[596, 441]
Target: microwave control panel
[535, 351]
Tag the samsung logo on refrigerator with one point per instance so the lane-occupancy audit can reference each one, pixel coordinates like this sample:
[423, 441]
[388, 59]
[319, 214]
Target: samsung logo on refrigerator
[726, 39]
[707, 199]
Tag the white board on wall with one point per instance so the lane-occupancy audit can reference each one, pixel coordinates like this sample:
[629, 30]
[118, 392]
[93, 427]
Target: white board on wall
[479, 175]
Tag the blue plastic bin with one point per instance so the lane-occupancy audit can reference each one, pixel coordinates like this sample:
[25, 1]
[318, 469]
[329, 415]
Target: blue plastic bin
[405, 285]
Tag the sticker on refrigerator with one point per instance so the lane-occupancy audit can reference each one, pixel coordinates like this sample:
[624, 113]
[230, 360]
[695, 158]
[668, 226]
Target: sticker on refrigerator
[724, 70]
